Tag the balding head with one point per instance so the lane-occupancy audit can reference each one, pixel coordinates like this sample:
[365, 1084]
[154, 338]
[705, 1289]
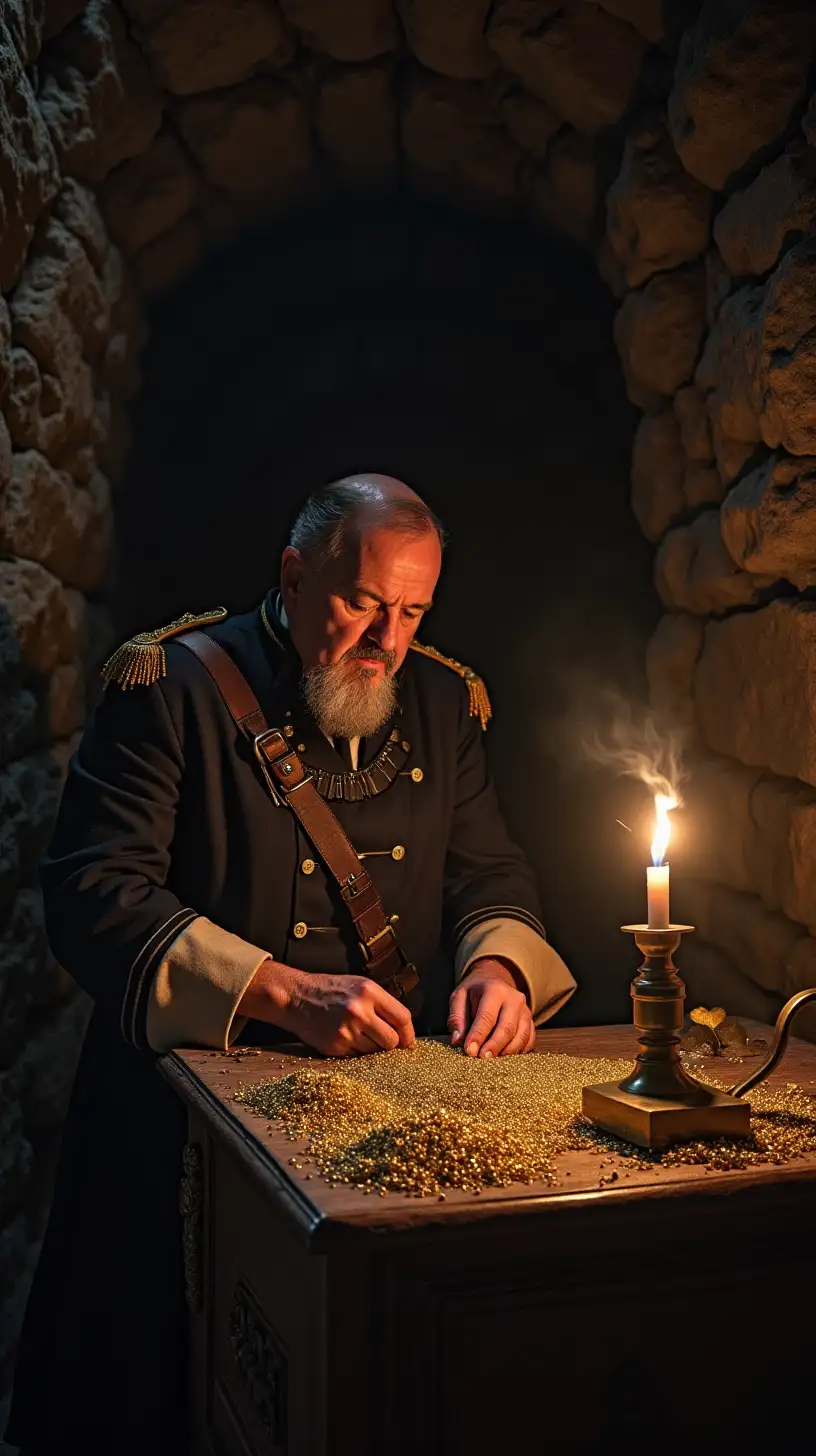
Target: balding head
[333, 516]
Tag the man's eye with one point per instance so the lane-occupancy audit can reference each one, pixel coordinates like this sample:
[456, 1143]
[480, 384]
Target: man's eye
[355, 606]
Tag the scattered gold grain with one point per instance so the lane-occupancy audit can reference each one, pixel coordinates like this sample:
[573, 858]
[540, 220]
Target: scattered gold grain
[428, 1118]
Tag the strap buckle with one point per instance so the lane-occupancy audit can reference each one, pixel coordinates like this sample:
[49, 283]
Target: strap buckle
[365, 945]
[258, 743]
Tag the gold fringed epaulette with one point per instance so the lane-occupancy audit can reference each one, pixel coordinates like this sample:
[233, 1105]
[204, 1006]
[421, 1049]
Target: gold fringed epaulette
[142, 660]
[477, 692]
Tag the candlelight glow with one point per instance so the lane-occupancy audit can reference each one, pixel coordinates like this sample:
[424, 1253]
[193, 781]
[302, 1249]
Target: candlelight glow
[664, 803]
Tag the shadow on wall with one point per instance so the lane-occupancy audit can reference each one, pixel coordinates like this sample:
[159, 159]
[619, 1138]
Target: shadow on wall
[476, 361]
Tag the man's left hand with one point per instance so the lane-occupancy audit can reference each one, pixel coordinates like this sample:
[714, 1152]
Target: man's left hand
[489, 1014]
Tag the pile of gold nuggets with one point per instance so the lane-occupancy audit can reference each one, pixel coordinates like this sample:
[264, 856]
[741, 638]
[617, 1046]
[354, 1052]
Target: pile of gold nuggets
[428, 1119]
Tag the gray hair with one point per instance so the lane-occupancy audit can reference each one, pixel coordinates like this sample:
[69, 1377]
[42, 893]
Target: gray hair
[319, 530]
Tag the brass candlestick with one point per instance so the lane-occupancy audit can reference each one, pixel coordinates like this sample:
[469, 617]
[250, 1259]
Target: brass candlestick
[659, 1103]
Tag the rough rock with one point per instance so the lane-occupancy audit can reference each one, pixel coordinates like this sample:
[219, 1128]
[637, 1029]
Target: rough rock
[9, 866]
[578, 58]
[47, 412]
[58, 15]
[5, 350]
[156, 269]
[253, 141]
[47, 1066]
[26, 971]
[449, 38]
[149, 194]
[653, 18]
[29, 795]
[781, 852]
[718, 808]
[694, 572]
[564, 193]
[809, 121]
[42, 614]
[692, 417]
[531, 123]
[777, 209]
[756, 672]
[358, 30]
[45, 517]
[29, 177]
[702, 485]
[761, 941]
[25, 21]
[657, 215]
[658, 468]
[97, 95]
[741, 70]
[712, 979]
[671, 657]
[729, 367]
[609, 268]
[77, 209]
[787, 366]
[356, 124]
[18, 722]
[769, 519]
[718, 284]
[658, 332]
[455, 145]
[59, 287]
[215, 43]
[15, 1150]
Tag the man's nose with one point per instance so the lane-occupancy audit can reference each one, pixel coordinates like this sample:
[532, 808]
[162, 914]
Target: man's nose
[383, 630]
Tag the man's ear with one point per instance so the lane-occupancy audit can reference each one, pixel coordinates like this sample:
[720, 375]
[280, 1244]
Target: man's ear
[291, 577]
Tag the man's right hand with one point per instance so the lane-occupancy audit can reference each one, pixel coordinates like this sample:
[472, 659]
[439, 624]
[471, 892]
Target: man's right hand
[336, 1015]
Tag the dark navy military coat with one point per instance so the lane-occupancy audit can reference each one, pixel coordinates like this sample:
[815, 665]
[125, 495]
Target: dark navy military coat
[165, 817]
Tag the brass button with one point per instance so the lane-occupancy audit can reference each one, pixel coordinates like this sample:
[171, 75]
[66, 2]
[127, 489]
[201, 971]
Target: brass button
[417, 775]
[398, 852]
[393, 920]
[288, 730]
[300, 930]
[301, 748]
[308, 867]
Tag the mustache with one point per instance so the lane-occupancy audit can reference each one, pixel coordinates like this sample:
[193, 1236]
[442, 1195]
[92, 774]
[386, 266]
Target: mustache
[374, 654]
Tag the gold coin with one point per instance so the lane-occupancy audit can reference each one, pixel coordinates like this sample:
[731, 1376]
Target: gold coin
[300, 930]
[417, 775]
[398, 852]
[308, 867]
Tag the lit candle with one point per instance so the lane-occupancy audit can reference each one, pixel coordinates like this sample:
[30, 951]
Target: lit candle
[657, 874]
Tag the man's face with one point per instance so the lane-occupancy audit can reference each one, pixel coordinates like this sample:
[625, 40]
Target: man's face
[365, 606]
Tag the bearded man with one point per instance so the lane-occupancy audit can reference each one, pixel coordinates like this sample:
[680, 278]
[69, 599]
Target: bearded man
[193, 889]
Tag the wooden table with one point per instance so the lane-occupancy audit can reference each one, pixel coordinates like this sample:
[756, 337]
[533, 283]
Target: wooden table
[674, 1307]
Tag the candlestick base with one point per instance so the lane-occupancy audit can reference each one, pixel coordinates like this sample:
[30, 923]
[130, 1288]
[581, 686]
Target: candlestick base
[659, 1103]
[652, 1122]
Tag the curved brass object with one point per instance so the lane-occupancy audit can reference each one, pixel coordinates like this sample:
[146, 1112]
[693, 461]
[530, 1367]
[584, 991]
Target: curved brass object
[780, 1041]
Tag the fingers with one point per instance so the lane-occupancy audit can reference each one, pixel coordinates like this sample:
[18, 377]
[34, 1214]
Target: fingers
[530, 1047]
[487, 1014]
[521, 1041]
[457, 1015]
[395, 1013]
[506, 1033]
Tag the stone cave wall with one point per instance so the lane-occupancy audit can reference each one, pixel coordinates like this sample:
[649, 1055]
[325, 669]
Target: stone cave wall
[675, 142]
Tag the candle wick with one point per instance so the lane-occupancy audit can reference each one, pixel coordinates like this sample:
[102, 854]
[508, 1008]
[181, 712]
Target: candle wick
[623, 826]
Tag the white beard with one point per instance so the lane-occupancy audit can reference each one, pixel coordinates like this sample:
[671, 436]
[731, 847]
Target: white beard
[347, 701]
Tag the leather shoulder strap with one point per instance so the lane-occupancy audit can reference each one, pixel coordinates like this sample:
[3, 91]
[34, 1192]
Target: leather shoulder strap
[290, 783]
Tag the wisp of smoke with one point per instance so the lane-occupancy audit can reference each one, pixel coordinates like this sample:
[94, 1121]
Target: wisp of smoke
[635, 745]
[605, 729]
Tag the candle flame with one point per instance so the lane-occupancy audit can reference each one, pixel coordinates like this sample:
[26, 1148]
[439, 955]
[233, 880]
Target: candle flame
[664, 803]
